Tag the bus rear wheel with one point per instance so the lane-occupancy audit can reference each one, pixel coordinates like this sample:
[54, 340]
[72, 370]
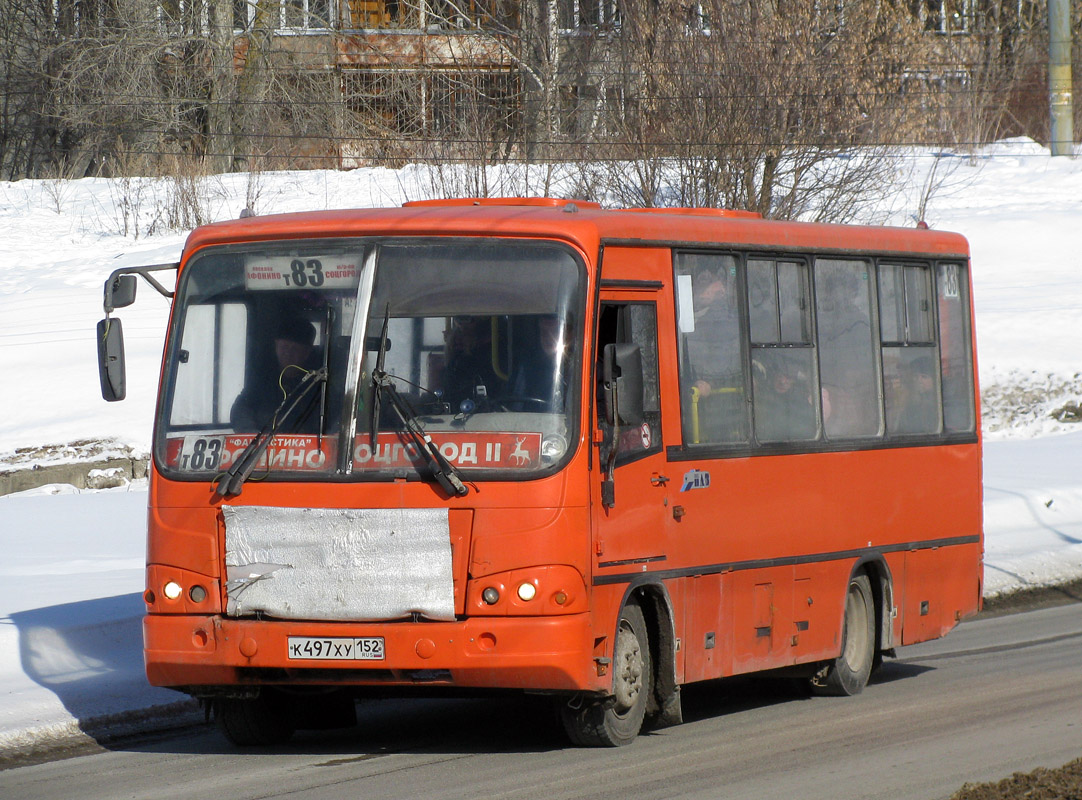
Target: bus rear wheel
[254, 721]
[848, 673]
[615, 721]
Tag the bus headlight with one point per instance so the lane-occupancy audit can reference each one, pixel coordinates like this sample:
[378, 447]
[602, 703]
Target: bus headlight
[172, 590]
[527, 592]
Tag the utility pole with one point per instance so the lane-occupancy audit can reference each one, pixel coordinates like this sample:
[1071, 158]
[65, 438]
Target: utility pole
[1060, 106]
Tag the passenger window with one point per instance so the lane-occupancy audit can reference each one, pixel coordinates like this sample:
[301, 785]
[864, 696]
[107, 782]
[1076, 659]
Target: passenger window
[784, 381]
[954, 348]
[713, 399]
[911, 389]
[624, 323]
[905, 304]
[848, 369]
[778, 302]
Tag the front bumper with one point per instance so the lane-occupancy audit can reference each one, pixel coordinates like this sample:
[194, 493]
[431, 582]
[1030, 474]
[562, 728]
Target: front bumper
[534, 653]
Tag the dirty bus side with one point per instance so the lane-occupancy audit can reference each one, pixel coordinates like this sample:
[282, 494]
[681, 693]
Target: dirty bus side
[534, 445]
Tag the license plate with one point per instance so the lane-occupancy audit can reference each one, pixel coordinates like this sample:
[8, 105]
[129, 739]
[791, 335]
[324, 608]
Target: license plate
[365, 648]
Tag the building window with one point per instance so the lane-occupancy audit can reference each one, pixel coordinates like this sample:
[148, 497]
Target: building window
[945, 16]
[580, 14]
[284, 15]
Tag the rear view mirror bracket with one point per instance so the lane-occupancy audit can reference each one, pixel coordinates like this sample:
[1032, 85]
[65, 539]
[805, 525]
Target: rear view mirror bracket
[120, 293]
[120, 287]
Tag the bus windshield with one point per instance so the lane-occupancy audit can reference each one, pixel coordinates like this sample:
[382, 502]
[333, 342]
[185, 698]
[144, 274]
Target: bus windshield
[333, 350]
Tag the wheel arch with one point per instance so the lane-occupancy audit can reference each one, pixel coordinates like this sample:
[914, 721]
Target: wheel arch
[655, 602]
[882, 584]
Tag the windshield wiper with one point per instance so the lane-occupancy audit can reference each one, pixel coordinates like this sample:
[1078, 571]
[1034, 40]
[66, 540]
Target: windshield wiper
[381, 356]
[442, 470]
[231, 482]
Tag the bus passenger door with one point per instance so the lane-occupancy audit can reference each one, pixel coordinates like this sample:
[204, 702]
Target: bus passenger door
[630, 531]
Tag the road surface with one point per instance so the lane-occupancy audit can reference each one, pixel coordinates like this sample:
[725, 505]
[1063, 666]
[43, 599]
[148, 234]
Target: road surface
[996, 696]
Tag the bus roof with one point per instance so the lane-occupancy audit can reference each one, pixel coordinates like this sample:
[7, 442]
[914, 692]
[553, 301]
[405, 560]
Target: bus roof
[585, 225]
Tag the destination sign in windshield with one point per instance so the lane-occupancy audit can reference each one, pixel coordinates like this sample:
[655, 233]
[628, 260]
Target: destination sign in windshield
[304, 453]
[332, 271]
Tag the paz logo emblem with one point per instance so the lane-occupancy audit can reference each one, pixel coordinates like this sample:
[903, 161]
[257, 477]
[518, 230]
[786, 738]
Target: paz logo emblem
[695, 479]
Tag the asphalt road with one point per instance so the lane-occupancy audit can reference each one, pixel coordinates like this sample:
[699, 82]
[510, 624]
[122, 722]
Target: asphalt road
[996, 696]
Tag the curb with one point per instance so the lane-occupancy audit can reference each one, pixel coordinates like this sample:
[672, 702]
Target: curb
[78, 737]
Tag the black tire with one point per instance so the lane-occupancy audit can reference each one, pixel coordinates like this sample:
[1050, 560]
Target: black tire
[848, 673]
[616, 720]
[256, 721]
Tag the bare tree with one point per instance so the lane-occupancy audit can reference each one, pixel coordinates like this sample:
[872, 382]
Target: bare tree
[777, 108]
[27, 140]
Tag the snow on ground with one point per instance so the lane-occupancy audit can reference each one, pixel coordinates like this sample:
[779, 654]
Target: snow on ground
[72, 572]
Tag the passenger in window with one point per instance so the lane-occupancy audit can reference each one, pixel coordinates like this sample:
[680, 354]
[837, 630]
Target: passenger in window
[713, 356]
[784, 407]
[468, 373]
[920, 406]
[294, 357]
[846, 356]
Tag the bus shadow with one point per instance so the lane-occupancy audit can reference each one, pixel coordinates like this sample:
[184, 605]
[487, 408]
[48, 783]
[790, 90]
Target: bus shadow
[89, 655]
[748, 692]
[511, 724]
[503, 724]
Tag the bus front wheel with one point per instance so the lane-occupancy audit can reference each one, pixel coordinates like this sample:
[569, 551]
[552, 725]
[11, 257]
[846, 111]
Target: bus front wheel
[254, 721]
[615, 721]
[848, 673]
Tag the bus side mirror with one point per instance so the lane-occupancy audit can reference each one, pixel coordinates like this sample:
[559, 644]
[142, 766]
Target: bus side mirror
[622, 376]
[111, 359]
[119, 292]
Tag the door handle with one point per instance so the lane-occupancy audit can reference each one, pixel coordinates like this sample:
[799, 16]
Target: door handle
[658, 480]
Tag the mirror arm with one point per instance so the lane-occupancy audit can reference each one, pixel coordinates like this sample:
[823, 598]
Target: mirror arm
[144, 273]
[612, 436]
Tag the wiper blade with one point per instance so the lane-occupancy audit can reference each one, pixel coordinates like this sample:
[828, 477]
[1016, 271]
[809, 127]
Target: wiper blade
[377, 384]
[231, 482]
[442, 470]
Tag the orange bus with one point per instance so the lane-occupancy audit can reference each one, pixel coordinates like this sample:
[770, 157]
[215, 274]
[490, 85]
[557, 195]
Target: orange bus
[531, 444]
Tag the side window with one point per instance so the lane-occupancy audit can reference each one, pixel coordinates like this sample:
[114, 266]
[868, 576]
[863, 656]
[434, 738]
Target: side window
[848, 367]
[784, 383]
[214, 335]
[624, 323]
[713, 402]
[954, 350]
[910, 362]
